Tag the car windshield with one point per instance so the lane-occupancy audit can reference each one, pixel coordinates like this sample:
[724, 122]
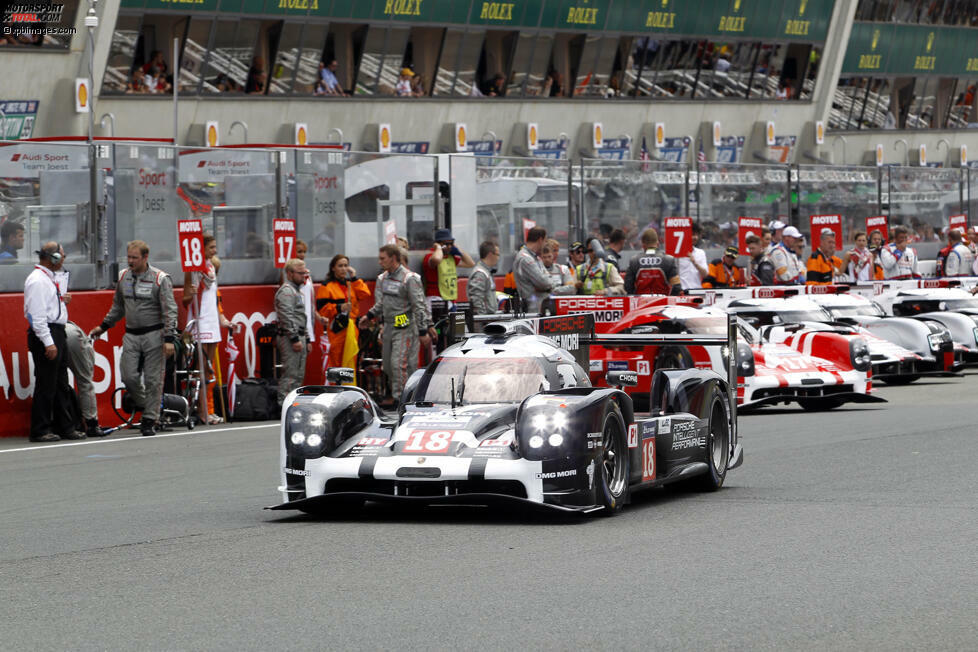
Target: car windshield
[481, 380]
[917, 306]
[863, 310]
[713, 325]
[803, 315]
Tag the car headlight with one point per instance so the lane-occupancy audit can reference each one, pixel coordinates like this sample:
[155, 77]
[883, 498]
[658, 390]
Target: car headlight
[745, 360]
[859, 354]
[555, 421]
[934, 340]
[305, 434]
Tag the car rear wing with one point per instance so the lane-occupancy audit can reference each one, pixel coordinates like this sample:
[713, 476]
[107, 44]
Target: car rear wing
[727, 342]
[575, 333]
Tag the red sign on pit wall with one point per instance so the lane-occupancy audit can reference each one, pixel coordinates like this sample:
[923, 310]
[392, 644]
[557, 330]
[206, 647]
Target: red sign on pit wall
[822, 222]
[679, 236]
[190, 234]
[283, 237]
[747, 226]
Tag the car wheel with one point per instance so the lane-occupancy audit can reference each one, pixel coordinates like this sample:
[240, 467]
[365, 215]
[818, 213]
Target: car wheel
[612, 489]
[900, 380]
[717, 445]
[673, 357]
[819, 404]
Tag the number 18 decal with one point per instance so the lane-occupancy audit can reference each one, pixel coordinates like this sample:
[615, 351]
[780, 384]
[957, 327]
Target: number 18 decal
[648, 459]
[428, 441]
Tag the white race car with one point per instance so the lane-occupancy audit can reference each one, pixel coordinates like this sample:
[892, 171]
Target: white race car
[954, 308]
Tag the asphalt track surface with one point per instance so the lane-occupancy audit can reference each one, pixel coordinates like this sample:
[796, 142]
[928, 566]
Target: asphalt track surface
[848, 530]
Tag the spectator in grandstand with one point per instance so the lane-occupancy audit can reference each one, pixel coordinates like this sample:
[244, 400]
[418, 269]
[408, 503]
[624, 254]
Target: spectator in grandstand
[418, 86]
[135, 82]
[552, 86]
[327, 79]
[529, 276]
[599, 277]
[652, 271]
[787, 267]
[823, 266]
[496, 87]
[440, 269]
[899, 260]
[255, 83]
[694, 267]
[784, 90]
[563, 279]
[759, 268]
[481, 289]
[959, 261]
[337, 302]
[860, 266]
[403, 87]
[11, 240]
[612, 251]
[576, 255]
[724, 272]
[156, 60]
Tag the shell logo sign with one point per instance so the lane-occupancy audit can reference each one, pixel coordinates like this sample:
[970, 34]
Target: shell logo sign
[460, 137]
[769, 133]
[212, 133]
[531, 135]
[301, 133]
[922, 157]
[879, 154]
[384, 137]
[660, 134]
[963, 154]
[597, 137]
[819, 132]
[81, 95]
[716, 134]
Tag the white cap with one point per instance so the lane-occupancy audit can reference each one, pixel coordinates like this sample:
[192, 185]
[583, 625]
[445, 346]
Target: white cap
[775, 225]
[827, 230]
[790, 231]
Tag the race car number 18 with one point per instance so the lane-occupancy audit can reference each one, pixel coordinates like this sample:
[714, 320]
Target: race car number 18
[648, 459]
[428, 441]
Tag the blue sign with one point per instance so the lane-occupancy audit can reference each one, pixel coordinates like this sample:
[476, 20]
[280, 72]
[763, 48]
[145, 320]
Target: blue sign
[617, 365]
[554, 148]
[674, 149]
[19, 118]
[485, 147]
[409, 148]
[615, 149]
[730, 149]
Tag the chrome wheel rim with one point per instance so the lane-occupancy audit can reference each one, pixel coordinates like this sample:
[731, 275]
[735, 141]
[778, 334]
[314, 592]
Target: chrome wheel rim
[613, 459]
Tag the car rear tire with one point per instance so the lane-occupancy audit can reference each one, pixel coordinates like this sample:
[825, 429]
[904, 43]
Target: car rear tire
[717, 445]
[673, 357]
[819, 404]
[612, 474]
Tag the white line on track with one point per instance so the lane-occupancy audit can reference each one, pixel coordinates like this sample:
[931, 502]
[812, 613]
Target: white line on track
[108, 440]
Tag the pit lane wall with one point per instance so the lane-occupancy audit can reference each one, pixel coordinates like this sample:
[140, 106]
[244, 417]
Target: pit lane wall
[250, 306]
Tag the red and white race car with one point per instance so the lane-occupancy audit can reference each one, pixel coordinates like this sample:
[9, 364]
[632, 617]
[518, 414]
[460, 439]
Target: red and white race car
[778, 364]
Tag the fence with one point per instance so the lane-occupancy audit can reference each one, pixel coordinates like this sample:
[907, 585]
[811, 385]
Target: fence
[346, 202]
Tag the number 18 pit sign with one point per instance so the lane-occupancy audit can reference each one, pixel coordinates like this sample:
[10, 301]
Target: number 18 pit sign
[284, 238]
[679, 236]
[190, 235]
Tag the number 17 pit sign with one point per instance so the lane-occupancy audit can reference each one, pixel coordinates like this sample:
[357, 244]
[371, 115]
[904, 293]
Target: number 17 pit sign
[190, 236]
[283, 235]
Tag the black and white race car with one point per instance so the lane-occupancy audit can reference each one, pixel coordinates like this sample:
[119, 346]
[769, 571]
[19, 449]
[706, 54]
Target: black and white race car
[507, 415]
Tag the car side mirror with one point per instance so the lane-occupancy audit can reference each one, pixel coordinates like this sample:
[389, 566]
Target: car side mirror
[622, 378]
[340, 375]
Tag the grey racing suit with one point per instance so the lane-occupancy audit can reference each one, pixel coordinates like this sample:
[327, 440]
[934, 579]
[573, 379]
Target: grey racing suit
[532, 281]
[146, 301]
[81, 361]
[562, 278]
[481, 290]
[291, 311]
[402, 310]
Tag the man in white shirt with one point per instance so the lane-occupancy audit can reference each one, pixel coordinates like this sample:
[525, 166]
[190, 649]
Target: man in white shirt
[694, 267]
[46, 313]
[959, 260]
[898, 260]
[787, 266]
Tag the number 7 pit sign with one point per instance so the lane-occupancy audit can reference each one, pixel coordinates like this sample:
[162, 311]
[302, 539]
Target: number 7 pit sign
[679, 236]
[283, 235]
[190, 234]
